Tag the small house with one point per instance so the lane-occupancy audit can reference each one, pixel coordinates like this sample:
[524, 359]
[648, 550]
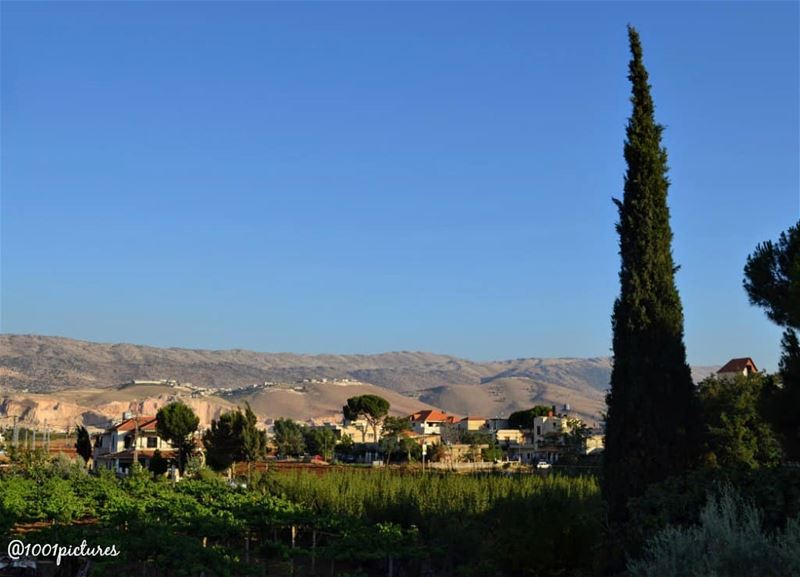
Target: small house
[734, 367]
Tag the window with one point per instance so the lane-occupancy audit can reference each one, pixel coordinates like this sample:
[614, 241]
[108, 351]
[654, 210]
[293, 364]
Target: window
[152, 442]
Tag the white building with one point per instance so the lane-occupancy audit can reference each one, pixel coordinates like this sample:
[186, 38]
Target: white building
[430, 422]
[115, 448]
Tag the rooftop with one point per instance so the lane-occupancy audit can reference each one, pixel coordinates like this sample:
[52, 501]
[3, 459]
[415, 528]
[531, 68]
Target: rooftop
[738, 365]
[430, 416]
[145, 424]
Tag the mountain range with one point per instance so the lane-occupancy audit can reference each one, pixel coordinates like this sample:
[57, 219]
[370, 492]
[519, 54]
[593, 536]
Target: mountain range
[84, 382]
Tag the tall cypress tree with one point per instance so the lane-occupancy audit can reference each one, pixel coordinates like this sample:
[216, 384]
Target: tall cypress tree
[653, 418]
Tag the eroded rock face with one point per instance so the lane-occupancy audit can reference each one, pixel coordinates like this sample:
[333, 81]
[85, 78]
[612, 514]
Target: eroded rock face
[97, 408]
[58, 414]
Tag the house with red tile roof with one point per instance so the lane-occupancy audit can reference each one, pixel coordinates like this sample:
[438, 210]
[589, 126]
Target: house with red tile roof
[743, 366]
[135, 437]
[430, 422]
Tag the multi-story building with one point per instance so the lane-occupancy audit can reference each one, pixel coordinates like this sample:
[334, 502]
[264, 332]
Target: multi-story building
[132, 438]
[430, 422]
[360, 431]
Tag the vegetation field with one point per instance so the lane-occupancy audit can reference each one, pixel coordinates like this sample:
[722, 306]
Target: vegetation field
[300, 523]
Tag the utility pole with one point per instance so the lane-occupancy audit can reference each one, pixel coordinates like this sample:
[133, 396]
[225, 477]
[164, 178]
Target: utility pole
[424, 451]
[135, 439]
[15, 435]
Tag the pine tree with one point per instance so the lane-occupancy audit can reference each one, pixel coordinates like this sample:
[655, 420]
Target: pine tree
[653, 419]
[372, 408]
[772, 281]
[177, 423]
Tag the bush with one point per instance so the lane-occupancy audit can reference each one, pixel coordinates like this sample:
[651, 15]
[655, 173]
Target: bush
[66, 468]
[729, 542]
[158, 464]
[678, 501]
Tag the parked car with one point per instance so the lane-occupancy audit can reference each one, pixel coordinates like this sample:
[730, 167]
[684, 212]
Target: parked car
[543, 465]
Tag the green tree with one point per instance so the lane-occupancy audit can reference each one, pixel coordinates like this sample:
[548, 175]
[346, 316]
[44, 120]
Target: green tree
[492, 453]
[177, 423]
[372, 408]
[772, 278]
[411, 448]
[221, 441]
[235, 438]
[253, 439]
[575, 439]
[320, 441]
[772, 281]
[393, 427]
[345, 448]
[475, 438]
[158, 464]
[525, 419]
[652, 423]
[289, 437]
[83, 443]
[737, 434]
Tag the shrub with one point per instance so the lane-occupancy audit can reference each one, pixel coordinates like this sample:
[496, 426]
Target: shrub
[678, 501]
[66, 468]
[729, 541]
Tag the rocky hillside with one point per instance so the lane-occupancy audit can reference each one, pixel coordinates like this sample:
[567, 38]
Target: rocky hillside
[58, 369]
[45, 364]
[98, 408]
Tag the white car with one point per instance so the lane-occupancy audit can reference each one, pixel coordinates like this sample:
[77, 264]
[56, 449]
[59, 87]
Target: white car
[543, 465]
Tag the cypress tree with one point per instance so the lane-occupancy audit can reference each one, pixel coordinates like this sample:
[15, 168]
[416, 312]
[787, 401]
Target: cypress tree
[83, 445]
[653, 418]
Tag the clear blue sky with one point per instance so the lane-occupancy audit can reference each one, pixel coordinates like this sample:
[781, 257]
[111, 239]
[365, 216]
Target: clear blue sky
[364, 177]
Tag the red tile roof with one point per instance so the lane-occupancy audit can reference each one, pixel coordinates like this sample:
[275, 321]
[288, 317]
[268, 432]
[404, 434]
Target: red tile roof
[145, 424]
[430, 416]
[738, 365]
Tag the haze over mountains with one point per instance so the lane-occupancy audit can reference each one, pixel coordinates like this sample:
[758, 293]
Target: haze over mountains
[40, 371]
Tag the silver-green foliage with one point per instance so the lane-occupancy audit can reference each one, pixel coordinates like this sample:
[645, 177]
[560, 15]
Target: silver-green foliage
[728, 542]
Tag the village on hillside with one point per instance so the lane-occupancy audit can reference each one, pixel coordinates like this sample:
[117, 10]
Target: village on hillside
[539, 437]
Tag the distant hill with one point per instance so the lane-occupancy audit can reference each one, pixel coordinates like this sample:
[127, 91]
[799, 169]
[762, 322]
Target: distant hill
[51, 365]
